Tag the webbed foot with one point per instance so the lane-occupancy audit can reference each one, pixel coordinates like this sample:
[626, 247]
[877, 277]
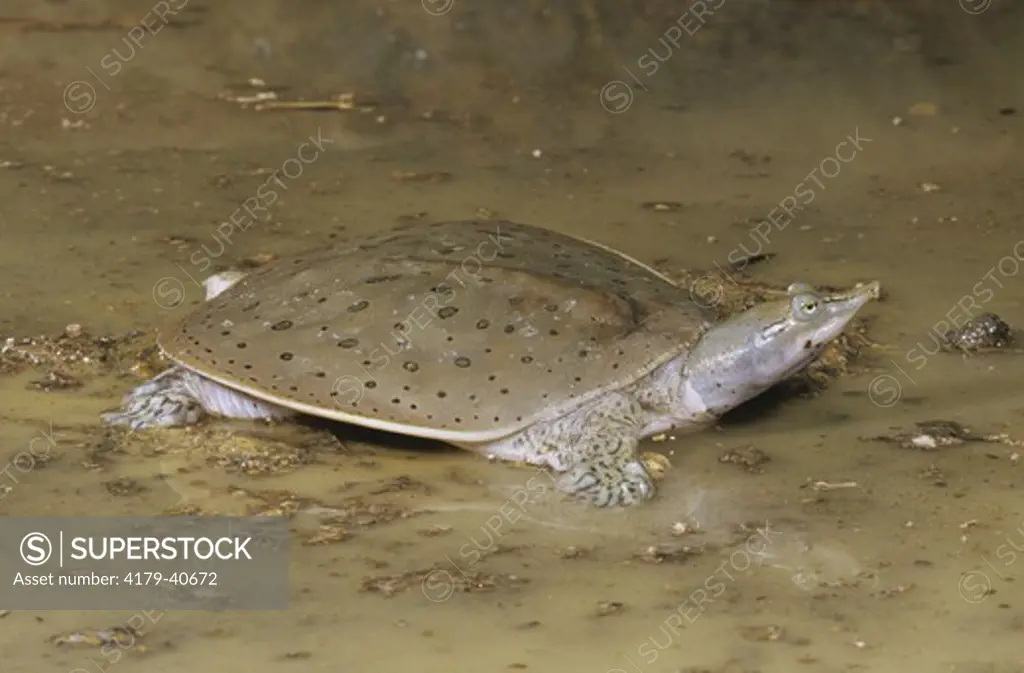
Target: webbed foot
[164, 401]
[609, 474]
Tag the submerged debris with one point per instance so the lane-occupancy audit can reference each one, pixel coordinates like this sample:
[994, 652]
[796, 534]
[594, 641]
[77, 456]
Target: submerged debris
[358, 512]
[259, 456]
[770, 633]
[122, 637]
[439, 584]
[327, 535]
[748, 457]
[75, 353]
[607, 608]
[930, 435]
[657, 464]
[668, 552]
[435, 530]
[982, 333]
[124, 487]
[662, 206]
[573, 552]
[55, 380]
[434, 177]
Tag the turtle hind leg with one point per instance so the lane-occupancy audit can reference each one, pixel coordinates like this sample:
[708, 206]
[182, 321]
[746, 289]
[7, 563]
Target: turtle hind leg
[178, 397]
[608, 472]
[162, 402]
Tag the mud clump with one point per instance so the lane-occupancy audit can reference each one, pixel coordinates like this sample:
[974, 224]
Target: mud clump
[936, 434]
[75, 353]
[258, 456]
[439, 585]
[747, 457]
[986, 332]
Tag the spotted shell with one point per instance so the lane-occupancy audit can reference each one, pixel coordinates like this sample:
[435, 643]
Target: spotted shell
[463, 331]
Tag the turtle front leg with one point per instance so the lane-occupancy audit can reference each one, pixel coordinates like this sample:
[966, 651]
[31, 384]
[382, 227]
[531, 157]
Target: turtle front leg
[609, 473]
[596, 458]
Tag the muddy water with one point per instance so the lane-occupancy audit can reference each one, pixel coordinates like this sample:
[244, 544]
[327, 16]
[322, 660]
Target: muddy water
[875, 142]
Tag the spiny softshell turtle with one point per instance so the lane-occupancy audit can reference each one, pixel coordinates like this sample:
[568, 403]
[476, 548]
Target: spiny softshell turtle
[514, 341]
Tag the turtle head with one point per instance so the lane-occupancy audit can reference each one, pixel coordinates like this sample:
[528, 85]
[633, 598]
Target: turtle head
[752, 351]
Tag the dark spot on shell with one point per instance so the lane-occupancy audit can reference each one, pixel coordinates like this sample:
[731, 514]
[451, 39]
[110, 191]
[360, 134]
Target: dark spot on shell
[492, 377]
[583, 353]
[526, 359]
[441, 393]
[553, 332]
[401, 327]
[509, 329]
[506, 255]
[358, 306]
[447, 312]
[483, 324]
[286, 356]
[350, 342]
[241, 344]
[504, 391]
[395, 400]
[322, 300]
[226, 332]
[410, 366]
[282, 325]
[371, 384]
[321, 375]
[462, 362]
[551, 308]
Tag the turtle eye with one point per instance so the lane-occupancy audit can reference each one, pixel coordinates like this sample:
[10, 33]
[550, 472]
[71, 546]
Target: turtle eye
[805, 306]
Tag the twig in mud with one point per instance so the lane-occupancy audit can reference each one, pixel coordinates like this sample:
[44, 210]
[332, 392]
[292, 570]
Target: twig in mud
[830, 485]
[744, 262]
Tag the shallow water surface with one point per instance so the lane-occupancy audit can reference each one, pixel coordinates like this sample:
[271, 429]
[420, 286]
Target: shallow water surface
[874, 141]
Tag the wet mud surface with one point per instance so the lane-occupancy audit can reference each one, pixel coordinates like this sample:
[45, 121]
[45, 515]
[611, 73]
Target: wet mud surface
[866, 517]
